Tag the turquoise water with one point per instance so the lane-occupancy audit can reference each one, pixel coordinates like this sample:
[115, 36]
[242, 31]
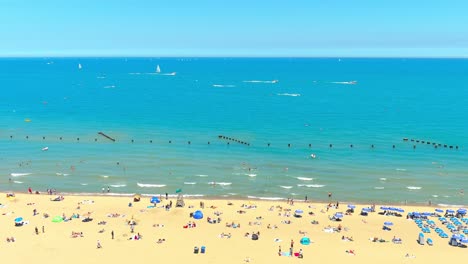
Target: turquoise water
[311, 103]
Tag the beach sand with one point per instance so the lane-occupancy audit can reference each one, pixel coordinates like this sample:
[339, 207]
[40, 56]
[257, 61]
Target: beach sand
[57, 244]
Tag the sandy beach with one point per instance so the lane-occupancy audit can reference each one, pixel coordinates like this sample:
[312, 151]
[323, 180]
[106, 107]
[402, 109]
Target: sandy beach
[166, 235]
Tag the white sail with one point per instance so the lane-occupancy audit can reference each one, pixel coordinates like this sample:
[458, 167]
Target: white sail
[158, 70]
[79, 66]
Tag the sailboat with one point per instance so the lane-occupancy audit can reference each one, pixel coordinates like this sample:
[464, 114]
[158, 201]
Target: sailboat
[79, 66]
[158, 69]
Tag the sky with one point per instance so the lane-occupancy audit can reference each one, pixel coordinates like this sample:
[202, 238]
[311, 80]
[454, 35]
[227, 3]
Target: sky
[244, 28]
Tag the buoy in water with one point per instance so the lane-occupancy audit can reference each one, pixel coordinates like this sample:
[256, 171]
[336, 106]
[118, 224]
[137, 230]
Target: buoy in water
[313, 155]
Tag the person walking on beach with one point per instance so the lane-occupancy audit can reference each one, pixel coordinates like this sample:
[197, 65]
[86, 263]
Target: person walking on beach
[167, 196]
[99, 244]
[329, 195]
[37, 230]
[43, 230]
[112, 234]
[108, 189]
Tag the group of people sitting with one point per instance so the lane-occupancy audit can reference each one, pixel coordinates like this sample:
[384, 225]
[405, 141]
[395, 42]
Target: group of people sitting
[233, 225]
[161, 240]
[10, 239]
[190, 224]
[223, 235]
[213, 221]
[396, 240]
[347, 238]
[135, 237]
[76, 234]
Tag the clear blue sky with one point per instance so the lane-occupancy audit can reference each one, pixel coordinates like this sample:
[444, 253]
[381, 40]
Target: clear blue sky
[431, 28]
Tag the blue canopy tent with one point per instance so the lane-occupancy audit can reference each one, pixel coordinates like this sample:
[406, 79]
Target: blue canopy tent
[305, 241]
[198, 215]
[351, 206]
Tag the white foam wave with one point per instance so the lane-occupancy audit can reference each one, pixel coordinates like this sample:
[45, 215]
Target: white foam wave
[135, 73]
[260, 81]
[19, 182]
[285, 187]
[61, 174]
[383, 179]
[220, 183]
[265, 198]
[109, 86]
[414, 188]
[201, 175]
[252, 175]
[118, 185]
[224, 85]
[350, 82]
[190, 183]
[304, 178]
[19, 174]
[84, 184]
[435, 195]
[146, 185]
[104, 176]
[379, 188]
[311, 185]
[289, 94]
[398, 169]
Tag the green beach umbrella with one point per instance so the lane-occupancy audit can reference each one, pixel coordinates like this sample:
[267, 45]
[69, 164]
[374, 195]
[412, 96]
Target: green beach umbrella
[57, 219]
[178, 190]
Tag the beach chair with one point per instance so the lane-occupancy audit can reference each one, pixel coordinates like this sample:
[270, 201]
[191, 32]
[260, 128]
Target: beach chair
[202, 250]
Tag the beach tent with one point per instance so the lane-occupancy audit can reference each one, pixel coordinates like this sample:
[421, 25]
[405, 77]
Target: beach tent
[18, 219]
[305, 241]
[198, 215]
[155, 200]
[57, 219]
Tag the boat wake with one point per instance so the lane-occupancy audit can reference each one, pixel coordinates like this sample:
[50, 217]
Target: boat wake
[145, 185]
[224, 85]
[19, 174]
[260, 81]
[350, 82]
[289, 94]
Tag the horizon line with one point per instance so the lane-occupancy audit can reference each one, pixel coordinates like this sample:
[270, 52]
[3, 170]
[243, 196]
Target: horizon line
[231, 57]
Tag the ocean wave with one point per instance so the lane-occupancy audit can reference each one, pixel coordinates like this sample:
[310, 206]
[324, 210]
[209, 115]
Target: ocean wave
[84, 184]
[379, 188]
[414, 188]
[109, 86]
[135, 73]
[118, 185]
[304, 178]
[220, 183]
[147, 185]
[398, 169]
[201, 175]
[224, 85]
[265, 198]
[18, 182]
[289, 94]
[251, 175]
[285, 187]
[104, 176]
[350, 82]
[435, 195]
[190, 183]
[61, 174]
[260, 81]
[232, 193]
[19, 174]
[383, 179]
[311, 185]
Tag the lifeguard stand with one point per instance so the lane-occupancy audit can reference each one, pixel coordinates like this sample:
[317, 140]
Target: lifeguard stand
[180, 200]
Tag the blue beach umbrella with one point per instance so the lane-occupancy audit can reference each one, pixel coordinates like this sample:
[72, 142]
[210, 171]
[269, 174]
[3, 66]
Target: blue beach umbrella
[400, 210]
[384, 207]
[464, 240]
[154, 200]
[299, 211]
[18, 219]
[450, 211]
[388, 223]
[439, 210]
[338, 215]
[461, 211]
[366, 210]
[426, 214]
[392, 208]
[351, 206]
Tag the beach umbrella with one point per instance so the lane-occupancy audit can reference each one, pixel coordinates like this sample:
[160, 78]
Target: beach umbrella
[339, 215]
[299, 211]
[426, 214]
[305, 241]
[366, 210]
[400, 210]
[178, 190]
[439, 210]
[351, 206]
[18, 219]
[464, 240]
[198, 215]
[450, 211]
[154, 200]
[461, 211]
[384, 207]
[388, 223]
[392, 208]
